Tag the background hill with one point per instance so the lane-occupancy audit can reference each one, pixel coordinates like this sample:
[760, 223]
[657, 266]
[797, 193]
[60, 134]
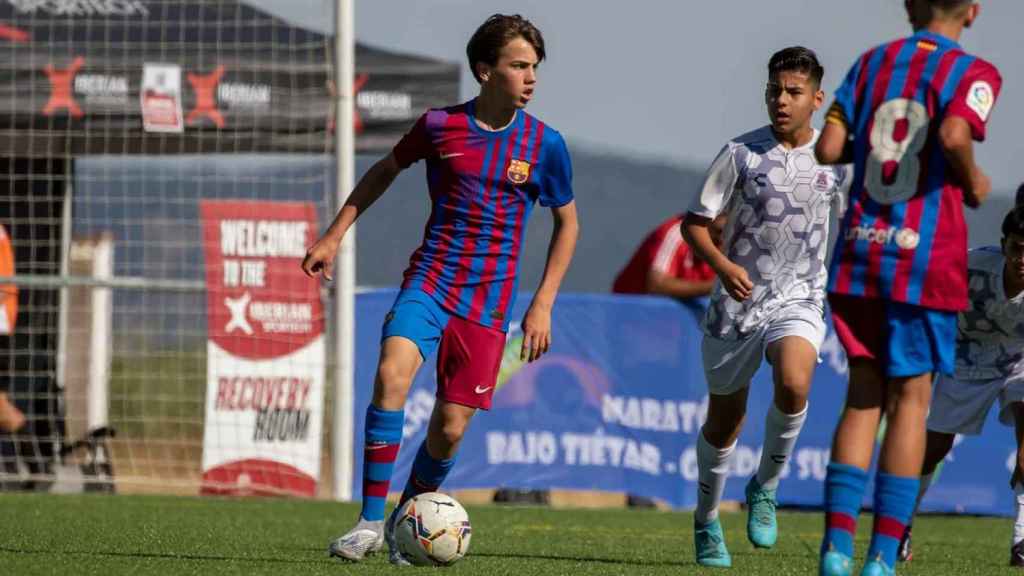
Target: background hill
[620, 200]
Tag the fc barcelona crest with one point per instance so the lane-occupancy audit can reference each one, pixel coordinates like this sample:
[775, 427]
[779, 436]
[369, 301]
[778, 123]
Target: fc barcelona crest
[518, 171]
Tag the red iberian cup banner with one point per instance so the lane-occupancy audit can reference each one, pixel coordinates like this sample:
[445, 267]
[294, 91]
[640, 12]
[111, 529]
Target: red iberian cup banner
[265, 350]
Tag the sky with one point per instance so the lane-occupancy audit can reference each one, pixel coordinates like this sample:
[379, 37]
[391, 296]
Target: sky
[673, 81]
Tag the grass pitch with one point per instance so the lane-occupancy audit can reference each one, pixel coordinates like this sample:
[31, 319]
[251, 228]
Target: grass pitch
[95, 534]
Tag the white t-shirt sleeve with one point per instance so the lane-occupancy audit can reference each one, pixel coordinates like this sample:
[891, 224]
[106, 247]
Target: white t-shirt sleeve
[719, 184]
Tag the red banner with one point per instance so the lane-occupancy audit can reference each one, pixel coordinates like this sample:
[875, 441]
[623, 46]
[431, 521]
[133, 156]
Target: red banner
[265, 353]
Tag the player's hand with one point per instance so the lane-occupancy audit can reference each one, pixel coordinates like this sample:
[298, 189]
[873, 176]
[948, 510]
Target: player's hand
[981, 185]
[736, 281]
[536, 332]
[320, 258]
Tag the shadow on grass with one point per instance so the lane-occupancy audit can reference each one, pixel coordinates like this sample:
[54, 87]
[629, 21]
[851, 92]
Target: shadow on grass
[164, 556]
[687, 562]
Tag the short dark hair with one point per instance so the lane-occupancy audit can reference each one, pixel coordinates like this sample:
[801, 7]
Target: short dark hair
[1019, 198]
[796, 58]
[1014, 222]
[495, 33]
[942, 8]
[949, 5]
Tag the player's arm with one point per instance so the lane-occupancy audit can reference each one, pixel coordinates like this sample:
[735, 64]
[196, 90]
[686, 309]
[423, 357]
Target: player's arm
[320, 256]
[734, 278]
[659, 282]
[11, 419]
[537, 322]
[833, 145]
[965, 122]
[958, 146]
[659, 278]
[698, 225]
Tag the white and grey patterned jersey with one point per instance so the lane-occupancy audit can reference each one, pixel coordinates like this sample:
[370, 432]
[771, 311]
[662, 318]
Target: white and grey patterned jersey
[778, 202]
[990, 333]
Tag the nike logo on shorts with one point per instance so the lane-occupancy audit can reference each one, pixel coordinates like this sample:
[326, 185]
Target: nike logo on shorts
[452, 155]
[480, 390]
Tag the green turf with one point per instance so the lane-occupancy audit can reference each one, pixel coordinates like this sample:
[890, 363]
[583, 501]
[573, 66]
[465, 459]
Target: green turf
[46, 534]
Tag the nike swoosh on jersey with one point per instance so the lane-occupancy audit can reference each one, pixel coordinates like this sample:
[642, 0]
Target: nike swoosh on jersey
[480, 390]
[452, 155]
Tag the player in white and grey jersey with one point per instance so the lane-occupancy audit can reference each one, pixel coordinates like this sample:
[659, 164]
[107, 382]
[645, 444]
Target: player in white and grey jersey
[989, 365]
[769, 298]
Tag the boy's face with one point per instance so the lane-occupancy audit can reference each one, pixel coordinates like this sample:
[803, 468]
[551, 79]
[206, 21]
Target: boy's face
[1013, 250]
[792, 97]
[514, 75]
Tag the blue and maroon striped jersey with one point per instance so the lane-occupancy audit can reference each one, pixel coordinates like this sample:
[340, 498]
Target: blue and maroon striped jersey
[483, 186]
[904, 237]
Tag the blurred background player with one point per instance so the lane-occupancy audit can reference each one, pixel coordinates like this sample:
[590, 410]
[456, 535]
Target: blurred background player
[488, 162]
[899, 272]
[664, 264]
[989, 367]
[771, 293]
[11, 418]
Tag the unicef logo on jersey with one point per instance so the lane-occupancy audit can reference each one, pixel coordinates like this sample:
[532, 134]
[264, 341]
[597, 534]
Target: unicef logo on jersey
[905, 238]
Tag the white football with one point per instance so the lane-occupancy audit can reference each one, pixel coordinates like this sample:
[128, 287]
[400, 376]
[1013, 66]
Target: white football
[432, 529]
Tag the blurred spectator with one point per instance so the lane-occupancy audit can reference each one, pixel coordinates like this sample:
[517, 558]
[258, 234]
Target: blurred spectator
[1019, 199]
[664, 264]
[11, 419]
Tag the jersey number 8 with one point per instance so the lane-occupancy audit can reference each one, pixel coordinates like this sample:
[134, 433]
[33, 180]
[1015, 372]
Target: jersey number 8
[898, 135]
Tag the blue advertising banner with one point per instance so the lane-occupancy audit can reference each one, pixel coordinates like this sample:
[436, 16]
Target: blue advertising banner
[617, 404]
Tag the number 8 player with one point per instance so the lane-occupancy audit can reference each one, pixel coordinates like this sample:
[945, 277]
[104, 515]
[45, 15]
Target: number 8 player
[906, 115]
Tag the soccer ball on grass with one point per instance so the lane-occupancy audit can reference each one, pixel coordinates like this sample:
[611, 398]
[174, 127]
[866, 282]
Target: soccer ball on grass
[432, 529]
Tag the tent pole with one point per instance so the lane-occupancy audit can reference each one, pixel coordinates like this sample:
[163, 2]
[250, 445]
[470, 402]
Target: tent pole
[344, 285]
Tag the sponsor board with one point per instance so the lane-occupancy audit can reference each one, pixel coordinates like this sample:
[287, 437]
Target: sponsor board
[160, 97]
[265, 352]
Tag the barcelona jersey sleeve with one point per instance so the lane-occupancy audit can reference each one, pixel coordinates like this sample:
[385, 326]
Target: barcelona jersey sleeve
[842, 110]
[556, 180]
[976, 96]
[414, 146]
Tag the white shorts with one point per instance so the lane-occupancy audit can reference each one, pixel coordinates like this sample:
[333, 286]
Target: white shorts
[730, 364]
[961, 406]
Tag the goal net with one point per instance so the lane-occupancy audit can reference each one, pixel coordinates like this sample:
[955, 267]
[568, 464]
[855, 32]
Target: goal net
[164, 165]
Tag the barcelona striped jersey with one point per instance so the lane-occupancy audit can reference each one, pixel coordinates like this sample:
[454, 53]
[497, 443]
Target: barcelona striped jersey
[904, 237]
[483, 186]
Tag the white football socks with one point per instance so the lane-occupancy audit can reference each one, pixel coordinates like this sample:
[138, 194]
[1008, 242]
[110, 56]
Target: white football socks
[780, 433]
[713, 469]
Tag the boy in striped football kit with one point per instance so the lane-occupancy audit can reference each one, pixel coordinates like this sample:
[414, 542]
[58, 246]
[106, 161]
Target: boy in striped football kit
[488, 162]
[906, 115]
